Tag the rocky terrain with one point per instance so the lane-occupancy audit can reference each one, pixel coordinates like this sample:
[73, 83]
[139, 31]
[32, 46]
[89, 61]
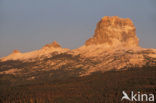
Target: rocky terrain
[113, 47]
[114, 31]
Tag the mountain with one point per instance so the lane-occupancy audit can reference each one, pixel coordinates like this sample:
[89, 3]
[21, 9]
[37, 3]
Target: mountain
[45, 51]
[110, 60]
[114, 46]
[114, 31]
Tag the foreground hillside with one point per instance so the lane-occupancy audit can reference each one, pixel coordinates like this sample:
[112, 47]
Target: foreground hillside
[98, 87]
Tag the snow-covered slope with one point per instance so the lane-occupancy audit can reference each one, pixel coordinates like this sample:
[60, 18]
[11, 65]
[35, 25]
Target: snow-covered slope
[117, 58]
[114, 46]
[46, 51]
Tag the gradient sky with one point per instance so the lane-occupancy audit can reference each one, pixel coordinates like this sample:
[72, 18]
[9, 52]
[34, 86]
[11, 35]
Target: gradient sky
[29, 24]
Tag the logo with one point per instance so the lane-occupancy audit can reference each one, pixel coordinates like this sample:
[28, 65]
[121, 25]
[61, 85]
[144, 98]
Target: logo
[137, 97]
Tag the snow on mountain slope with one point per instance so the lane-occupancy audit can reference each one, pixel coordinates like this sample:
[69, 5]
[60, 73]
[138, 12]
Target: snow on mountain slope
[116, 58]
[114, 46]
[45, 51]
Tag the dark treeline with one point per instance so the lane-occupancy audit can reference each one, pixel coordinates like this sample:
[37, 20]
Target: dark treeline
[98, 87]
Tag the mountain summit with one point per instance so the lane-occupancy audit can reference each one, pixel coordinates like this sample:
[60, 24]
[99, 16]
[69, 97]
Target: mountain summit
[114, 31]
[114, 45]
[45, 51]
[16, 51]
[53, 44]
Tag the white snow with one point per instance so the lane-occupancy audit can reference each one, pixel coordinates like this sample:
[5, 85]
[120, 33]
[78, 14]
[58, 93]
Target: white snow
[34, 54]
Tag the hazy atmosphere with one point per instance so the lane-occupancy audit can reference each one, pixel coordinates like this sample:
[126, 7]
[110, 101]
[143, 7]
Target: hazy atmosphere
[27, 25]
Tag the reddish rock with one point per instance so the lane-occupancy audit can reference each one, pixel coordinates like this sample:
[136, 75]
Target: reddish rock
[16, 51]
[114, 30]
[53, 44]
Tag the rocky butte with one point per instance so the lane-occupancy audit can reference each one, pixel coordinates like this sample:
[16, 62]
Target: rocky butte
[114, 31]
[114, 45]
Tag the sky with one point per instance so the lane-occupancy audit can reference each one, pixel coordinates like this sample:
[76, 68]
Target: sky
[28, 25]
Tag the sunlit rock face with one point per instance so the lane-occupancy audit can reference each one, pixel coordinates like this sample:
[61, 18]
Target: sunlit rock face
[114, 31]
[53, 44]
[45, 51]
[16, 51]
[114, 46]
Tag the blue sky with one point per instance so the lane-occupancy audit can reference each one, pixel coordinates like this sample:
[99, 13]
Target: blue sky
[29, 24]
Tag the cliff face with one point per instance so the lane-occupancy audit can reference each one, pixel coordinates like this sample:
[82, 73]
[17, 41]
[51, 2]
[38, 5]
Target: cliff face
[114, 31]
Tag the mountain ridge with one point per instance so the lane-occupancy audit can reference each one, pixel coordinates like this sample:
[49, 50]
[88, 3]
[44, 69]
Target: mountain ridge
[112, 47]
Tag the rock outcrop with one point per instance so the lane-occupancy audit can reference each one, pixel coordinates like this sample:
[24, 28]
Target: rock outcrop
[114, 31]
[53, 44]
[45, 51]
[15, 51]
